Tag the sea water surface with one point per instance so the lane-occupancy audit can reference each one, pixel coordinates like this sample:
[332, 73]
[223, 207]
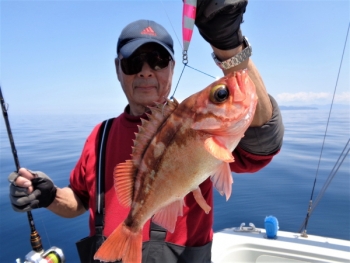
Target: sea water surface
[53, 144]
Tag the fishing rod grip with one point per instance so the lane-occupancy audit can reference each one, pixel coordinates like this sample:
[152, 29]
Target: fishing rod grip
[35, 239]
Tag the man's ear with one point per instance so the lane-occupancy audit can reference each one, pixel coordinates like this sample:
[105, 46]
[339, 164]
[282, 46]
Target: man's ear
[117, 69]
[172, 64]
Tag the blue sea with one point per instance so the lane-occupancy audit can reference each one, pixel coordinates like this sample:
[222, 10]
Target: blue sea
[53, 144]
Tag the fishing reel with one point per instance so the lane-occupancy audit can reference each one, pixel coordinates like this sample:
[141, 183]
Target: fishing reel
[52, 255]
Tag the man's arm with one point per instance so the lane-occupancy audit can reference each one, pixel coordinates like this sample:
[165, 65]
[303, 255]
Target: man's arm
[66, 204]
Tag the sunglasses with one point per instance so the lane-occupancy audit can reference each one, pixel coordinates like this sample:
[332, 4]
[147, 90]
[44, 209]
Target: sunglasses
[157, 60]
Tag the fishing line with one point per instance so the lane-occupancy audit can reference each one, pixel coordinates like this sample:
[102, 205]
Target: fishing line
[324, 137]
[172, 96]
[334, 171]
[201, 72]
[46, 233]
[171, 24]
[185, 65]
[184, 53]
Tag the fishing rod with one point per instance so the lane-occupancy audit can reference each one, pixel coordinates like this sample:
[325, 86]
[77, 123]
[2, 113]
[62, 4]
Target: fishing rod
[38, 254]
[331, 175]
[310, 206]
[35, 239]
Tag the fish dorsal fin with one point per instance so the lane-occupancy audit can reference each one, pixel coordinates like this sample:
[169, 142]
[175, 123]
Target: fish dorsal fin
[149, 128]
[124, 182]
[167, 216]
[218, 150]
[222, 180]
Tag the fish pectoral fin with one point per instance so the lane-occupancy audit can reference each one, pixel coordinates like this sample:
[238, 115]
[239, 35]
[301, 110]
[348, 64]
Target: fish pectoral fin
[167, 216]
[123, 182]
[218, 150]
[222, 180]
[197, 194]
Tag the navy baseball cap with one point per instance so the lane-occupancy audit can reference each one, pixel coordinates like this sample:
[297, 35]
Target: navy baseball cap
[141, 32]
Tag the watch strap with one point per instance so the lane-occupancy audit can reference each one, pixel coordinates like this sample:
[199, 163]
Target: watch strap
[236, 59]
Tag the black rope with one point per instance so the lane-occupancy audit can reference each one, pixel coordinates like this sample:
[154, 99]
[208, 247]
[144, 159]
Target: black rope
[324, 137]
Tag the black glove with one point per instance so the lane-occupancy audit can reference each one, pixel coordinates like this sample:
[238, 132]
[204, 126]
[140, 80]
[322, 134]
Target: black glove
[44, 192]
[219, 21]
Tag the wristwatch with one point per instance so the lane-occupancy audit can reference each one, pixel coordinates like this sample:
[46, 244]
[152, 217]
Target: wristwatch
[236, 59]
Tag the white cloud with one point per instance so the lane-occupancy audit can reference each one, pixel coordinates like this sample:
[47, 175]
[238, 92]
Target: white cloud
[313, 97]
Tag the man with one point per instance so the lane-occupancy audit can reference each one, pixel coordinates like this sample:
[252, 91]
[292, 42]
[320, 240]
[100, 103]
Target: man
[144, 67]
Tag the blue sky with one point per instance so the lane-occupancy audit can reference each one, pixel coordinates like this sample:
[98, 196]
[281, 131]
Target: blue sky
[58, 56]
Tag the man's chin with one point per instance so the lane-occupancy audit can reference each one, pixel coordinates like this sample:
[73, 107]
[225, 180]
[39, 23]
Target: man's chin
[149, 103]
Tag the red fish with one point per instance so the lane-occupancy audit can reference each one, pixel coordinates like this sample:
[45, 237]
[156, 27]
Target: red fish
[179, 147]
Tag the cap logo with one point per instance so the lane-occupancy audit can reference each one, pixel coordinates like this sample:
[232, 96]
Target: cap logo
[148, 31]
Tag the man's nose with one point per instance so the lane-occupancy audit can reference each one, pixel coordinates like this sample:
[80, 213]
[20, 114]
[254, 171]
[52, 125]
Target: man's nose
[146, 71]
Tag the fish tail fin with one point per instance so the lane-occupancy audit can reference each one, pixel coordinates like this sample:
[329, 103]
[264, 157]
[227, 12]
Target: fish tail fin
[121, 244]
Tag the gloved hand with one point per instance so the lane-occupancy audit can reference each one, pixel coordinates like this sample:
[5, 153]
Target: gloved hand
[43, 194]
[219, 21]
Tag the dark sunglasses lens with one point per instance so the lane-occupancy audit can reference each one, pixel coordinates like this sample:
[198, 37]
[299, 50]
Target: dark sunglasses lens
[132, 65]
[156, 60]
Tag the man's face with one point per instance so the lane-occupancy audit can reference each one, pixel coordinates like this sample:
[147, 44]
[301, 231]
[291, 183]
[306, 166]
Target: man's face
[147, 86]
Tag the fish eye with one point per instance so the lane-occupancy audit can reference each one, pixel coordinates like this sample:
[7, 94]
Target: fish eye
[219, 94]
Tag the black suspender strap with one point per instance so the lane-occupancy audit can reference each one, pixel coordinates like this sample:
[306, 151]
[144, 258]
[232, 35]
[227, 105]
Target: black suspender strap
[100, 175]
[156, 232]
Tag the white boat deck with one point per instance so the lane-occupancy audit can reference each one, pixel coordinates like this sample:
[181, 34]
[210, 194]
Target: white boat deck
[253, 246]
